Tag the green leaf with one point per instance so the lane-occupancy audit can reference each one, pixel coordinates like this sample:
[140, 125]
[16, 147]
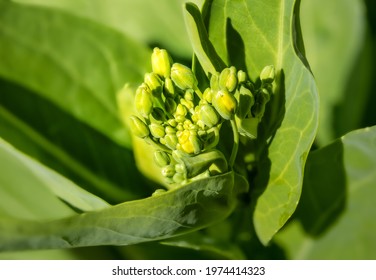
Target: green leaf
[203, 48]
[169, 214]
[335, 219]
[62, 59]
[29, 190]
[334, 37]
[147, 21]
[250, 35]
[58, 96]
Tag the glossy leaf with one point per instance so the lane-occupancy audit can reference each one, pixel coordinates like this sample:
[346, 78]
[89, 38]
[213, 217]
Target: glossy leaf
[336, 217]
[251, 35]
[171, 213]
[334, 38]
[31, 191]
[58, 78]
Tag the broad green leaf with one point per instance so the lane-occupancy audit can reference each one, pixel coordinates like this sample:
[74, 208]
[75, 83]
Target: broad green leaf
[75, 64]
[30, 190]
[203, 48]
[250, 35]
[334, 33]
[335, 219]
[169, 214]
[147, 21]
[58, 84]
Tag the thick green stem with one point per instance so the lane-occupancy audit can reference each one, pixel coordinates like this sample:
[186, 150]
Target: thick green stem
[235, 147]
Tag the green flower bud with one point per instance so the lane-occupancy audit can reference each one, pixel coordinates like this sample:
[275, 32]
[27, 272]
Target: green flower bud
[208, 95]
[143, 100]
[168, 171]
[180, 168]
[245, 101]
[138, 127]
[158, 115]
[162, 158]
[267, 74]
[168, 88]
[261, 99]
[208, 115]
[178, 177]
[188, 104]
[161, 62]
[170, 130]
[188, 95]
[172, 122]
[228, 79]
[214, 81]
[183, 76]
[171, 141]
[154, 83]
[170, 105]
[225, 104]
[181, 110]
[157, 130]
[242, 76]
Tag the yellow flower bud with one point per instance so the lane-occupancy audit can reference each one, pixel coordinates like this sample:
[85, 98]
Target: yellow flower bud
[189, 142]
[225, 104]
[143, 100]
[138, 127]
[171, 141]
[161, 62]
[183, 76]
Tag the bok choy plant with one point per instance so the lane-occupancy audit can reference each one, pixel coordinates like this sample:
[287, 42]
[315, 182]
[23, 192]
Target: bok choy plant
[171, 129]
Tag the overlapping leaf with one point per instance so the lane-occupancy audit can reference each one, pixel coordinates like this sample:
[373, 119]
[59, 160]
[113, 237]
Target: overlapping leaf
[250, 35]
[335, 219]
[59, 75]
[172, 213]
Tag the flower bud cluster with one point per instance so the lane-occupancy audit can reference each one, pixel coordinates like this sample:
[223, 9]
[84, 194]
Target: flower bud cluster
[182, 122]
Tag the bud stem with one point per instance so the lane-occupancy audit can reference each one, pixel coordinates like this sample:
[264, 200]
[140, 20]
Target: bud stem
[235, 147]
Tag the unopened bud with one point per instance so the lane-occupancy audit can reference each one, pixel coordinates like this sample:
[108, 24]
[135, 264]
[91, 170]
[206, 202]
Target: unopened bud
[242, 76]
[171, 141]
[228, 79]
[161, 62]
[138, 127]
[157, 130]
[162, 158]
[158, 115]
[143, 100]
[214, 81]
[208, 95]
[189, 143]
[225, 104]
[183, 76]
[208, 115]
[170, 105]
[245, 102]
[154, 83]
[168, 88]
[168, 171]
[267, 74]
